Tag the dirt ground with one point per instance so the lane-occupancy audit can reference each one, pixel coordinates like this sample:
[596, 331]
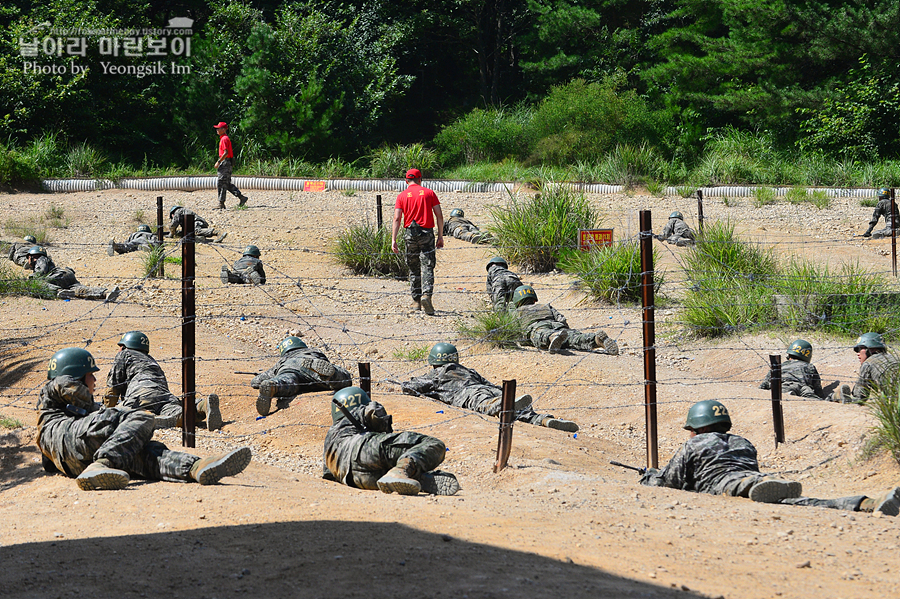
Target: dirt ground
[559, 521]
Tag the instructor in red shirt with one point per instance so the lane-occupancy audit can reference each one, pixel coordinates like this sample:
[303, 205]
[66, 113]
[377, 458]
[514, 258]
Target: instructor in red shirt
[419, 210]
[224, 166]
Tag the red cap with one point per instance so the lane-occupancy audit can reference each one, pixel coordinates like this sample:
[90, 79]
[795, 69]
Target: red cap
[413, 173]
[222, 125]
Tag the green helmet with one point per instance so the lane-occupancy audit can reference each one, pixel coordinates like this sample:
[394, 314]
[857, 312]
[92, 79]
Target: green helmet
[349, 397]
[30, 239]
[800, 349]
[523, 294]
[496, 260]
[172, 210]
[676, 214]
[290, 343]
[71, 361]
[884, 193]
[252, 250]
[135, 340]
[457, 212]
[870, 341]
[706, 413]
[37, 250]
[144, 229]
[443, 353]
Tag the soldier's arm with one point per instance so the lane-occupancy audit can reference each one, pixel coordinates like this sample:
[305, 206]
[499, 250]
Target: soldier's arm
[675, 475]
[558, 317]
[815, 382]
[421, 386]
[261, 271]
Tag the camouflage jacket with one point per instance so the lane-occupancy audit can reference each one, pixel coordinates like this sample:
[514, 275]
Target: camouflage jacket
[54, 275]
[248, 264]
[501, 283]
[176, 221]
[879, 371]
[295, 361]
[457, 222]
[142, 238]
[534, 315]
[447, 381]
[18, 253]
[706, 463]
[883, 208]
[56, 395]
[678, 228]
[133, 370]
[344, 442]
[796, 374]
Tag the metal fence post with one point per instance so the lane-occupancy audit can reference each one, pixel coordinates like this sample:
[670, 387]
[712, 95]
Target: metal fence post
[378, 217]
[700, 211]
[160, 266]
[777, 413]
[188, 339]
[649, 326]
[365, 377]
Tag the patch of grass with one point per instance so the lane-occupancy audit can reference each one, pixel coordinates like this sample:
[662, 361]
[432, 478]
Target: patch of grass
[55, 217]
[611, 274]
[393, 162]
[868, 202]
[84, 161]
[884, 405]
[820, 199]
[411, 354]
[349, 192]
[796, 195]
[533, 231]
[240, 208]
[655, 188]
[172, 260]
[763, 196]
[13, 282]
[727, 201]
[20, 229]
[686, 191]
[138, 217]
[366, 250]
[10, 423]
[500, 328]
[151, 259]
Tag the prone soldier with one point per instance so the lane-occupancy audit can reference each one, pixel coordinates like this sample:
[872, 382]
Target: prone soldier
[798, 376]
[882, 209]
[676, 231]
[462, 228]
[18, 252]
[501, 283]
[202, 229]
[248, 270]
[142, 239]
[62, 279]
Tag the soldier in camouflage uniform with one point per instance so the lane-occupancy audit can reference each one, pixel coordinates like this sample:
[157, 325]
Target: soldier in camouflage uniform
[878, 370]
[102, 448]
[882, 208]
[142, 239]
[62, 279]
[462, 387]
[248, 270]
[135, 381]
[299, 370]
[547, 329]
[798, 376]
[364, 452]
[501, 283]
[464, 229]
[201, 228]
[716, 462]
[676, 231]
[18, 252]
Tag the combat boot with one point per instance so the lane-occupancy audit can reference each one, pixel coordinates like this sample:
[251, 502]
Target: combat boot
[111, 296]
[111, 249]
[522, 402]
[415, 304]
[438, 482]
[243, 201]
[846, 394]
[601, 339]
[773, 490]
[267, 390]
[557, 340]
[401, 479]
[209, 471]
[101, 476]
[226, 275]
[427, 306]
[255, 278]
[221, 237]
[208, 409]
[560, 424]
[888, 503]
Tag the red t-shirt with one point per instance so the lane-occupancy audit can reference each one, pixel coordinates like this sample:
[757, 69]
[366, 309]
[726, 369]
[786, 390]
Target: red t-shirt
[416, 203]
[225, 147]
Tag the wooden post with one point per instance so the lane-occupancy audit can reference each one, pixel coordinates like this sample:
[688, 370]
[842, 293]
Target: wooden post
[507, 417]
[777, 414]
[188, 338]
[649, 327]
[700, 211]
[378, 217]
[365, 377]
[894, 225]
[160, 266]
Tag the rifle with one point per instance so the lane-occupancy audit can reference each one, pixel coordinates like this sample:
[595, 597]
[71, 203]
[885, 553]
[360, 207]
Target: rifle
[245, 372]
[635, 468]
[349, 416]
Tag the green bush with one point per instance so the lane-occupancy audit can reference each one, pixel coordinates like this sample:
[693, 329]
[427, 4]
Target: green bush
[627, 165]
[500, 328]
[612, 274]
[12, 282]
[393, 162]
[490, 135]
[533, 231]
[15, 168]
[10, 423]
[84, 161]
[366, 250]
[884, 405]
[411, 354]
[763, 196]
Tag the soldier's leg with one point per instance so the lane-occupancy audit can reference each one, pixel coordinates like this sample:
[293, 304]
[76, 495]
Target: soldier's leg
[414, 265]
[580, 341]
[71, 446]
[229, 276]
[170, 415]
[223, 180]
[402, 463]
[881, 233]
[428, 259]
[550, 336]
[850, 504]
[89, 293]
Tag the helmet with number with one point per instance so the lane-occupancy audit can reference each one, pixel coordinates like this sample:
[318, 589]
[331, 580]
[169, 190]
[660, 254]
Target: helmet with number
[144, 229]
[443, 353]
[457, 212]
[884, 193]
[252, 250]
[172, 210]
[707, 413]
[676, 214]
[72, 361]
[290, 343]
[135, 340]
[496, 260]
[870, 341]
[349, 397]
[30, 239]
[800, 349]
[37, 250]
[524, 294]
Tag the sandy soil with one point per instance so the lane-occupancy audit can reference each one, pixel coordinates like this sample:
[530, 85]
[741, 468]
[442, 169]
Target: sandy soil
[558, 521]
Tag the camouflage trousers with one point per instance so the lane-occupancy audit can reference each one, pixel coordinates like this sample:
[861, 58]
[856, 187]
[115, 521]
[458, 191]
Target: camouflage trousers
[161, 403]
[472, 235]
[292, 383]
[799, 389]
[881, 233]
[680, 241]
[381, 451]
[851, 504]
[488, 401]
[241, 277]
[540, 337]
[420, 258]
[224, 184]
[123, 437]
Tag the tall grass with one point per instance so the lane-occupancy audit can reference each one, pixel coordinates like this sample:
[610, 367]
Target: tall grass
[366, 250]
[393, 162]
[612, 274]
[884, 405]
[533, 231]
[12, 282]
[500, 328]
[84, 160]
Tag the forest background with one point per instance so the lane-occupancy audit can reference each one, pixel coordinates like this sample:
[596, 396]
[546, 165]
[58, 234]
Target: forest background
[621, 91]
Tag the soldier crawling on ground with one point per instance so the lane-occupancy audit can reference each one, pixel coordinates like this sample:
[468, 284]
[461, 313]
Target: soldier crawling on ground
[135, 381]
[142, 239]
[248, 270]
[456, 385]
[61, 279]
[363, 451]
[716, 462]
[300, 369]
[547, 329]
[464, 229]
[883, 209]
[878, 371]
[18, 252]
[798, 376]
[676, 231]
[501, 283]
[202, 230]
